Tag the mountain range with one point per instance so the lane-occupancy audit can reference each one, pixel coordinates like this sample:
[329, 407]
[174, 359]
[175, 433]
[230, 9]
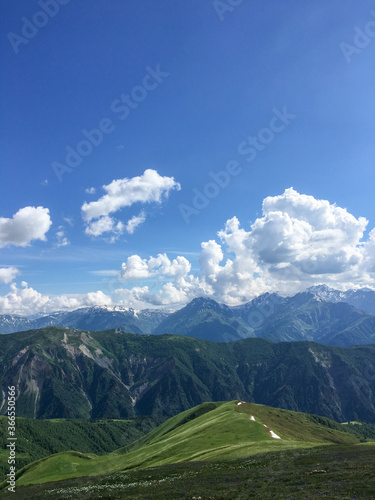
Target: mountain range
[301, 317]
[89, 318]
[362, 298]
[320, 314]
[69, 373]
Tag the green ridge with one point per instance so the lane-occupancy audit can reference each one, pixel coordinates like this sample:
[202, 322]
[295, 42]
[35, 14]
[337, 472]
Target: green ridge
[67, 373]
[209, 432]
[37, 439]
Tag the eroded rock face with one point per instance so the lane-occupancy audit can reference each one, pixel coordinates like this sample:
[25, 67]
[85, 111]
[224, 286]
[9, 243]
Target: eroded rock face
[73, 377]
[73, 374]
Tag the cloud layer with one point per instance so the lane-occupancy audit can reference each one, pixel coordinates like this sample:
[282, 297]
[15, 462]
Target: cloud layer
[298, 241]
[150, 187]
[26, 301]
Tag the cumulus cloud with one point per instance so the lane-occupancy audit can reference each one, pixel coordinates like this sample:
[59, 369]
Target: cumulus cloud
[90, 190]
[8, 274]
[103, 225]
[150, 187]
[312, 235]
[297, 242]
[26, 301]
[136, 268]
[28, 224]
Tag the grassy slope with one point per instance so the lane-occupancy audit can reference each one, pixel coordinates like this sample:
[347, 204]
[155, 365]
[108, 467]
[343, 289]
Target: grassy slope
[40, 438]
[225, 431]
[330, 472]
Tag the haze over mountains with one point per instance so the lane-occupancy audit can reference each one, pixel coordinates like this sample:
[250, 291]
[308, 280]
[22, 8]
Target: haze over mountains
[89, 318]
[320, 314]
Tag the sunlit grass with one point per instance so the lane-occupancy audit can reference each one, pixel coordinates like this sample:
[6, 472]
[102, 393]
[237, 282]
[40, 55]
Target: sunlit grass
[210, 432]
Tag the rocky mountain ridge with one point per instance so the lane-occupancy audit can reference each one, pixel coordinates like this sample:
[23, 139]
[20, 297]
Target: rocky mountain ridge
[69, 373]
[320, 314]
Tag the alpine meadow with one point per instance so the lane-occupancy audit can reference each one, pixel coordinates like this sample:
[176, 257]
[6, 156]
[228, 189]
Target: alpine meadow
[187, 250]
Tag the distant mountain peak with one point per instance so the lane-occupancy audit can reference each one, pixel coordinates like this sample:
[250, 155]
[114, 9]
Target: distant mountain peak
[204, 302]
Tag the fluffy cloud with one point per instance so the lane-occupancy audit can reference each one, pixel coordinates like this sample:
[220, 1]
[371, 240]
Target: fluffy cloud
[104, 225]
[150, 187]
[183, 288]
[299, 241]
[26, 301]
[28, 224]
[8, 274]
[136, 268]
[134, 222]
[312, 235]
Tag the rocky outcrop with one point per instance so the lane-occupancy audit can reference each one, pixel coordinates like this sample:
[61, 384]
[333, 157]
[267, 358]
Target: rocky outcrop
[68, 373]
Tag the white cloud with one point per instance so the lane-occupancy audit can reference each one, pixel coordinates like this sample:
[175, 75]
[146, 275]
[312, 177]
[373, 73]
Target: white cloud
[150, 187]
[300, 238]
[299, 241]
[90, 190]
[136, 268]
[312, 235]
[28, 224]
[8, 274]
[62, 240]
[27, 301]
[103, 225]
[134, 222]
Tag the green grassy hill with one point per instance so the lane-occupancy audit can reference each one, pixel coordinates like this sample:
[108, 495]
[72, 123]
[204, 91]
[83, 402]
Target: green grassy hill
[40, 438]
[209, 432]
[331, 472]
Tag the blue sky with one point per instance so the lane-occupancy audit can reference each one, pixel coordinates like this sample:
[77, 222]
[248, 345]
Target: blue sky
[219, 75]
